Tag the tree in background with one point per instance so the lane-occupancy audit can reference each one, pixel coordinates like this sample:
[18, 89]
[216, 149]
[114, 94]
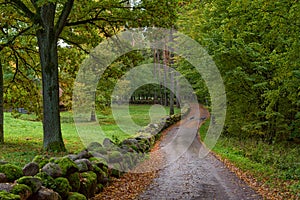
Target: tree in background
[254, 44]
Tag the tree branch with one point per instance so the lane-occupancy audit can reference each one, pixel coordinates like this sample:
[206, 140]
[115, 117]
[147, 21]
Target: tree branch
[76, 44]
[20, 5]
[63, 17]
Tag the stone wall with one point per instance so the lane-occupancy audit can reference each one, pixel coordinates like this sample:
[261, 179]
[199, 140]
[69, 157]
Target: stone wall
[83, 175]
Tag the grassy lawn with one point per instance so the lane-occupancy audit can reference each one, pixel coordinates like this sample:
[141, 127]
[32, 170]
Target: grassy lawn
[277, 166]
[23, 137]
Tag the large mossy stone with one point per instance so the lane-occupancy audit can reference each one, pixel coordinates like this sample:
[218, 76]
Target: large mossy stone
[74, 180]
[45, 194]
[30, 169]
[88, 184]
[53, 170]
[102, 176]
[100, 162]
[76, 196]
[115, 156]
[7, 187]
[34, 183]
[67, 166]
[84, 165]
[8, 196]
[41, 160]
[12, 172]
[22, 190]
[62, 187]
[93, 146]
[47, 180]
[3, 178]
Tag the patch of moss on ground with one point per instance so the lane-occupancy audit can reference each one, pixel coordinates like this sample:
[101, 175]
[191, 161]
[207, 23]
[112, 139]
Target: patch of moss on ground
[76, 196]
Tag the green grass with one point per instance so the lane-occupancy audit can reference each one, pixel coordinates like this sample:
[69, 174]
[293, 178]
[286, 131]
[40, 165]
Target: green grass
[277, 165]
[24, 135]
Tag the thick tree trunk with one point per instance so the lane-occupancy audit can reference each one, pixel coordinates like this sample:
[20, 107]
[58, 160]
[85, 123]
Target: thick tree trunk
[1, 105]
[47, 42]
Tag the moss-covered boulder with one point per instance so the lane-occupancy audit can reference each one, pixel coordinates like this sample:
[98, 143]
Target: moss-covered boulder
[84, 154]
[100, 162]
[45, 194]
[74, 180]
[9, 196]
[115, 156]
[76, 196]
[67, 165]
[12, 172]
[94, 146]
[3, 178]
[62, 187]
[108, 142]
[100, 188]
[41, 160]
[31, 169]
[34, 183]
[84, 165]
[88, 184]
[102, 176]
[47, 180]
[22, 190]
[53, 170]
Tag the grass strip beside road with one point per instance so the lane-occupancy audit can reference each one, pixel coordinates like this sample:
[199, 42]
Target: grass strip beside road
[271, 169]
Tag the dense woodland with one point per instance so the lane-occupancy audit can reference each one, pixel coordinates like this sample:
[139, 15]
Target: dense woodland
[255, 45]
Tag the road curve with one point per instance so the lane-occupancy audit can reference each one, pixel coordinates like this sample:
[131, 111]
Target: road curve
[190, 177]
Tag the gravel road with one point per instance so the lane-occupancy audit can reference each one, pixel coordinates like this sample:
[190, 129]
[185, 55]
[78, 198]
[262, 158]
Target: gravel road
[191, 177]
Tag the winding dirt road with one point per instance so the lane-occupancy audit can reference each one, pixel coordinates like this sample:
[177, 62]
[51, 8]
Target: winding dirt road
[181, 175]
[191, 177]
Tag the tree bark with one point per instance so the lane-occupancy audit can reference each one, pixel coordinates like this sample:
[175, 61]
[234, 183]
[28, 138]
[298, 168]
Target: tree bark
[47, 42]
[172, 88]
[1, 105]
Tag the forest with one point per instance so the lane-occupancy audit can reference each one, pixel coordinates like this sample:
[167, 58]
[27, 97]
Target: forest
[255, 45]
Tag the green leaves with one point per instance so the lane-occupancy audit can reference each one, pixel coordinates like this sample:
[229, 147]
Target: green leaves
[256, 47]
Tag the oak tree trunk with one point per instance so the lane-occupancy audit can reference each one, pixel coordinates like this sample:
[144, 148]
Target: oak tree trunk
[1, 106]
[47, 42]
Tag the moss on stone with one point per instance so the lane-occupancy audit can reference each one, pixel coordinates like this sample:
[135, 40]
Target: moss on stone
[22, 190]
[100, 162]
[47, 180]
[88, 184]
[12, 172]
[76, 196]
[62, 187]
[41, 160]
[101, 175]
[115, 156]
[34, 183]
[100, 187]
[9, 196]
[67, 165]
[74, 180]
